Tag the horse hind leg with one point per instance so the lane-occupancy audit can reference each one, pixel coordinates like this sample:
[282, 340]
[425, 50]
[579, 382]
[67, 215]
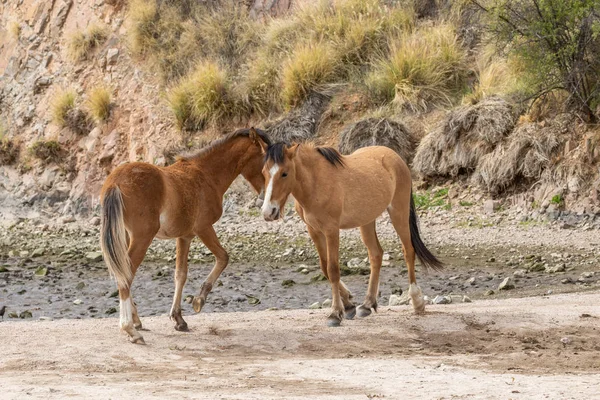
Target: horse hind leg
[137, 251]
[209, 238]
[369, 238]
[400, 219]
[181, 271]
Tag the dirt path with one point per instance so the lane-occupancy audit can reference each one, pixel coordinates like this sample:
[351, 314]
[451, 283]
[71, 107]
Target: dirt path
[505, 349]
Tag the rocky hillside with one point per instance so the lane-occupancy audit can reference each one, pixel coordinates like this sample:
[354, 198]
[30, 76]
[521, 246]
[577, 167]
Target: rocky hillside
[90, 84]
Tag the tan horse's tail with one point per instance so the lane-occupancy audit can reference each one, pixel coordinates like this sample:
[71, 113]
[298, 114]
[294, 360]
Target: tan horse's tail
[113, 238]
[427, 259]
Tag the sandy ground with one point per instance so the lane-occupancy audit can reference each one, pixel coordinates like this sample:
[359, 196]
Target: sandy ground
[504, 349]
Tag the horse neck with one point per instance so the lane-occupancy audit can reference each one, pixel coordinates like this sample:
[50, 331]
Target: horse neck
[222, 165]
[307, 164]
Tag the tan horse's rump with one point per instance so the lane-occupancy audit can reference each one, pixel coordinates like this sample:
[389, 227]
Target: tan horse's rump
[141, 201]
[334, 192]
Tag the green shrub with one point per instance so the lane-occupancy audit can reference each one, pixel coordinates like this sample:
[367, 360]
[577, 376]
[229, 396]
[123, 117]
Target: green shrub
[47, 151]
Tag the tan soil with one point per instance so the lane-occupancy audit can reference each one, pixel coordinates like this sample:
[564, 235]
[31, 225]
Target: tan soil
[505, 349]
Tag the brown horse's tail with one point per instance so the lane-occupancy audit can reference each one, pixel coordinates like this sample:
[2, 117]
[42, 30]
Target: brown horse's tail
[427, 259]
[113, 238]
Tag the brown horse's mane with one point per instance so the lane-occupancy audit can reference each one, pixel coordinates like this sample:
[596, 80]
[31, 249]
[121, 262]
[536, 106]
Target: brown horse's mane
[276, 153]
[212, 146]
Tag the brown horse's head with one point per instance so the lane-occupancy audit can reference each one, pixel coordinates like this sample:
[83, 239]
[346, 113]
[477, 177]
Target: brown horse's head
[279, 172]
[254, 159]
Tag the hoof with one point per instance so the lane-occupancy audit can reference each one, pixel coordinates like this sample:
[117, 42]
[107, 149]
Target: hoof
[138, 326]
[198, 303]
[333, 322]
[137, 340]
[420, 309]
[182, 327]
[363, 311]
[350, 312]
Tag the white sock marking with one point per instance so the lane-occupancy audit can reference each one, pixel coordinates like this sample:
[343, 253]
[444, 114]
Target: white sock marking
[126, 312]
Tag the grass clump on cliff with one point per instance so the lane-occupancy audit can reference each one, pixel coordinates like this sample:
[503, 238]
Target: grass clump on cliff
[99, 103]
[48, 151]
[62, 103]
[80, 44]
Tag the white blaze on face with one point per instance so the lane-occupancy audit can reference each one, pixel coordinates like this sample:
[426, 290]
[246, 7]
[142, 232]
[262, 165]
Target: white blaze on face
[126, 312]
[267, 205]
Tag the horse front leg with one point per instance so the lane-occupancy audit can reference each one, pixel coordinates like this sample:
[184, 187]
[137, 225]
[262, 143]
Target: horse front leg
[333, 272]
[209, 238]
[181, 271]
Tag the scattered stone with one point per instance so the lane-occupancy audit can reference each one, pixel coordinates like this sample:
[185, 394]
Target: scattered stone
[114, 294]
[490, 206]
[471, 281]
[24, 253]
[565, 341]
[489, 292]
[13, 314]
[354, 263]
[3, 269]
[112, 55]
[253, 300]
[466, 299]
[110, 311]
[41, 271]
[46, 319]
[188, 299]
[95, 221]
[25, 314]
[94, 256]
[387, 257]
[442, 300]
[305, 271]
[397, 290]
[586, 275]
[37, 252]
[520, 273]
[566, 280]
[556, 268]
[326, 303]
[315, 306]
[318, 278]
[77, 302]
[80, 285]
[396, 300]
[491, 260]
[537, 267]
[288, 283]
[506, 284]
[67, 219]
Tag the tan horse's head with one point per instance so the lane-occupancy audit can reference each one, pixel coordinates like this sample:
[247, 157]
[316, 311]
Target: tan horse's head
[253, 161]
[279, 173]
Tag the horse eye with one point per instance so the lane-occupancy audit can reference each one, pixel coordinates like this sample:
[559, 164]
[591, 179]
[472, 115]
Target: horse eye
[284, 175]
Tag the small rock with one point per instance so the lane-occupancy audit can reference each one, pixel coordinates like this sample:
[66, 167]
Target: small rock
[37, 252]
[94, 256]
[354, 263]
[25, 314]
[466, 299]
[396, 300]
[114, 294]
[95, 221]
[77, 302]
[67, 219]
[326, 303]
[46, 319]
[586, 275]
[489, 292]
[520, 273]
[110, 311]
[112, 55]
[565, 341]
[387, 257]
[80, 285]
[471, 281]
[490, 206]
[13, 314]
[189, 299]
[442, 300]
[41, 271]
[315, 306]
[288, 283]
[556, 268]
[304, 271]
[506, 284]
[3, 269]
[24, 253]
[566, 280]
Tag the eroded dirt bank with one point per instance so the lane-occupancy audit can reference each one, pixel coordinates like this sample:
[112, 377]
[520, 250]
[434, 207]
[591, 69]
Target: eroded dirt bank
[529, 348]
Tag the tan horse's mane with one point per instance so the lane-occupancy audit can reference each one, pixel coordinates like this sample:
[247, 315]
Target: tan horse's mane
[212, 146]
[276, 153]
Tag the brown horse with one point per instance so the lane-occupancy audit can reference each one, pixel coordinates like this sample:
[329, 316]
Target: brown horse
[334, 192]
[141, 201]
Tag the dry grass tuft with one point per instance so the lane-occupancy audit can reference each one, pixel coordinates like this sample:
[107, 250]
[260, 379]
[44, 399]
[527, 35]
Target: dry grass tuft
[378, 132]
[80, 44]
[14, 30]
[205, 96]
[62, 103]
[9, 148]
[307, 70]
[99, 103]
[300, 124]
[48, 151]
[425, 68]
[524, 156]
[463, 138]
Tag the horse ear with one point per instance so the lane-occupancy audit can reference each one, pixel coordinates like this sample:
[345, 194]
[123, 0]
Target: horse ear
[292, 150]
[257, 139]
[253, 135]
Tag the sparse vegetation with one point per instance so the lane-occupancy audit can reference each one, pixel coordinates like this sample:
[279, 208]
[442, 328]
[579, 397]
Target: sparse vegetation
[80, 44]
[99, 103]
[424, 68]
[14, 30]
[204, 96]
[9, 148]
[62, 103]
[557, 199]
[428, 199]
[48, 151]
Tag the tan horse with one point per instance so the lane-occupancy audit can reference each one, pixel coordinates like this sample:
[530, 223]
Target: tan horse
[141, 201]
[334, 192]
